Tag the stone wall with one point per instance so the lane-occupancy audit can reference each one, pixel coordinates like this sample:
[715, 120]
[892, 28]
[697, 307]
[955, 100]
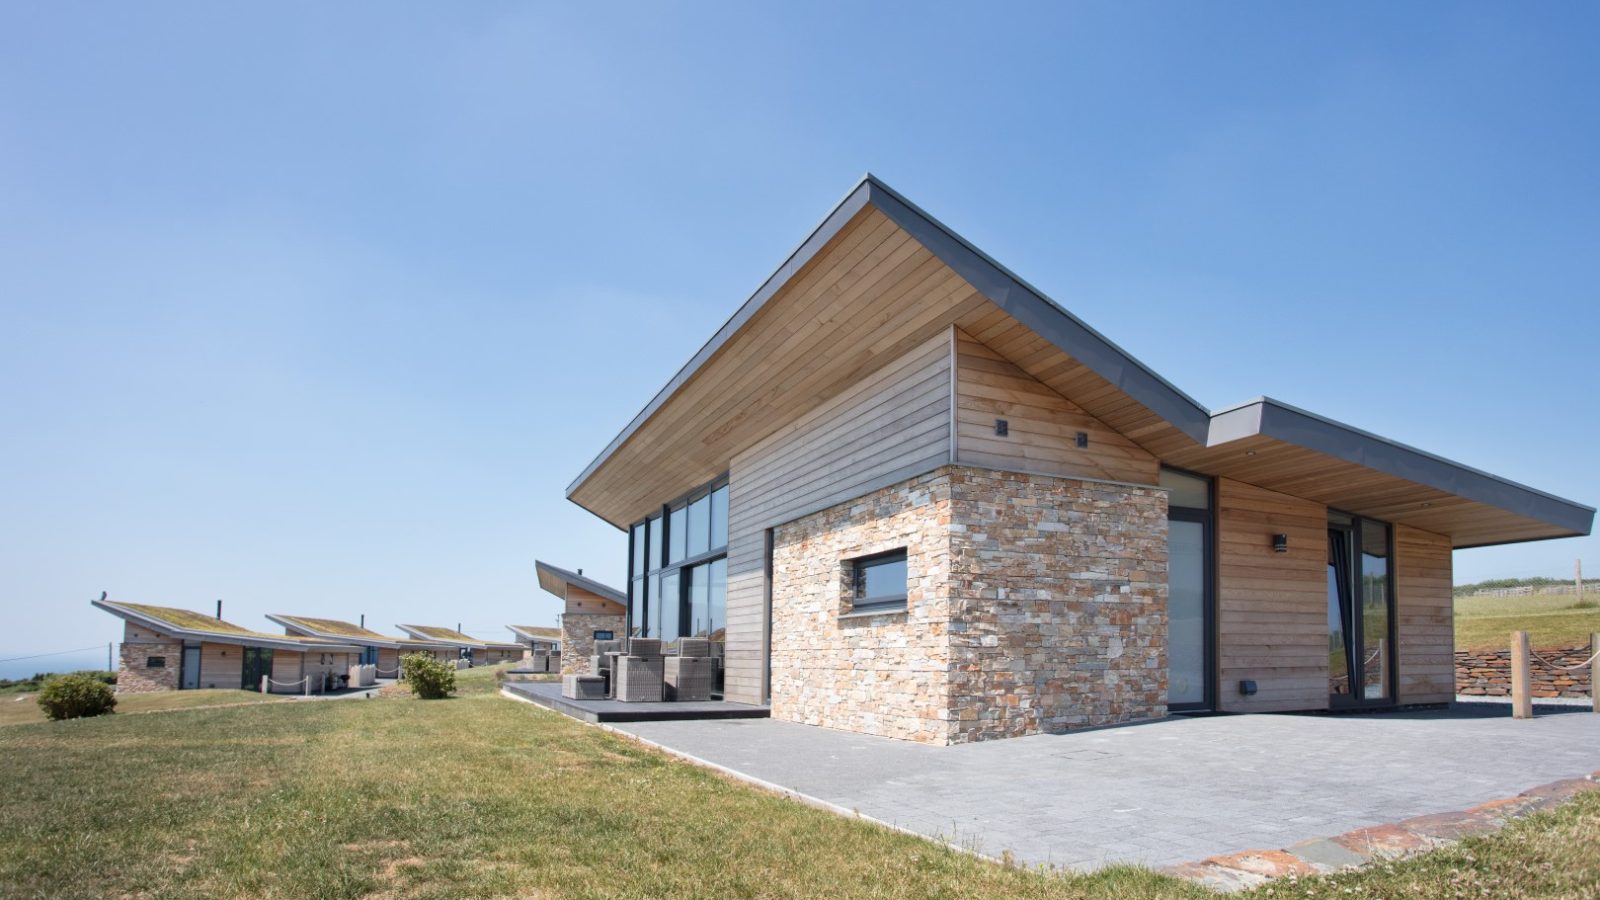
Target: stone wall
[1487, 673]
[577, 638]
[134, 675]
[885, 674]
[1035, 604]
[1059, 603]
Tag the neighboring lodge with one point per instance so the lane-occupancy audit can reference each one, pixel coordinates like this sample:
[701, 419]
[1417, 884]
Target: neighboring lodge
[166, 649]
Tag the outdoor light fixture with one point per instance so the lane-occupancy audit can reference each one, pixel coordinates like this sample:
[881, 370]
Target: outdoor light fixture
[1280, 543]
[1002, 427]
[1083, 439]
[1247, 688]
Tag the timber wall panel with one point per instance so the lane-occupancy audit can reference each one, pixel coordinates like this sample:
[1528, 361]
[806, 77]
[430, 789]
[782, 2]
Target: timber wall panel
[889, 426]
[287, 666]
[1043, 425]
[1272, 608]
[221, 665]
[1424, 616]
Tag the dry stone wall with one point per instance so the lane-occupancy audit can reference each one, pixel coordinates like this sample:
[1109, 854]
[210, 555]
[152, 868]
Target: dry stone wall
[1487, 673]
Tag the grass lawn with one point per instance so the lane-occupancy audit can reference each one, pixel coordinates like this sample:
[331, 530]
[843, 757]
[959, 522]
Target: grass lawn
[1551, 621]
[481, 796]
[23, 708]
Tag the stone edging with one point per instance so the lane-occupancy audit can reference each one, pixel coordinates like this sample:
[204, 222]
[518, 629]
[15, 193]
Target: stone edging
[1419, 834]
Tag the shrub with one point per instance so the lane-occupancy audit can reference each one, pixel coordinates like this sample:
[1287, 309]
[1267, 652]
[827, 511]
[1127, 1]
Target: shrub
[429, 678]
[76, 696]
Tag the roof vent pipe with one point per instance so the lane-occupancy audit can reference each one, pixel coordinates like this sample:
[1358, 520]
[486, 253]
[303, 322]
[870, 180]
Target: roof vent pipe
[363, 620]
[219, 610]
[580, 571]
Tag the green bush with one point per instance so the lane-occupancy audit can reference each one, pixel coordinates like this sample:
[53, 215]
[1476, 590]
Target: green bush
[429, 678]
[76, 696]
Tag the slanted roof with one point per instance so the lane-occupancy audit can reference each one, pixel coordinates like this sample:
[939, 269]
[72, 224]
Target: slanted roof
[556, 580]
[880, 276]
[536, 632]
[183, 623]
[337, 629]
[451, 637]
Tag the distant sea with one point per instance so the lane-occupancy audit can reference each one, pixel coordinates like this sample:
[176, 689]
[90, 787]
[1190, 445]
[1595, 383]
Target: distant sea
[93, 659]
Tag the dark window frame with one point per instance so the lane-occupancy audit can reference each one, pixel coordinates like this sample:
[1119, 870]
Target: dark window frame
[886, 603]
[656, 569]
[1355, 700]
[155, 662]
[1208, 520]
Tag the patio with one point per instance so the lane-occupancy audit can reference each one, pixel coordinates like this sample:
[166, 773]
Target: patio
[1159, 794]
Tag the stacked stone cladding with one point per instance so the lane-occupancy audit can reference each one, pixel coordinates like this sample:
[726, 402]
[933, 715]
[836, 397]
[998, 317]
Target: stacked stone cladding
[1058, 604]
[1487, 673]
[1034, 604]
[884, 674]
[134, 675]
[577, 638]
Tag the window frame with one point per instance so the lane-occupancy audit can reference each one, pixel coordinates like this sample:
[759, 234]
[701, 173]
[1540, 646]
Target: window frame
[856, 567]
[660, 565]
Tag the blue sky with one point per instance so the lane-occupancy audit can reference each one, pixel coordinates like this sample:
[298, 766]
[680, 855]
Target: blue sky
[318, 308]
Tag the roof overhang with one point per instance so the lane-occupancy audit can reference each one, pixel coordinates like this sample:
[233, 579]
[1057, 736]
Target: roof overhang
[664, 463]
[522, 633]
[556, 580]
[876, 249]
[420, 635]
[1281, 447]
[224, 637]
[298, 626]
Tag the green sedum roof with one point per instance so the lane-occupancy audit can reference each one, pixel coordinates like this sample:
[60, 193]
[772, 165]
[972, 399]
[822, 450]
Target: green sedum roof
[188, 620]
[335, 627]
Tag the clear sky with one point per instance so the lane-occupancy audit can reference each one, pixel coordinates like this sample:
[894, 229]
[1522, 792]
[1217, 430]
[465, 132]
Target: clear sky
[317, 308]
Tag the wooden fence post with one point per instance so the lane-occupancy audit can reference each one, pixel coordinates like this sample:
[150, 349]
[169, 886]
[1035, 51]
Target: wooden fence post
[1521, 677]
[1594, 672]
[264, 683]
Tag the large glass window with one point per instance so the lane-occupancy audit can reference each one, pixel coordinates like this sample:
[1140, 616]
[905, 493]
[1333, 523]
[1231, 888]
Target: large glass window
[1189, 592]
[719, 517]
[679, 579]
[699, 527]
[677, 534]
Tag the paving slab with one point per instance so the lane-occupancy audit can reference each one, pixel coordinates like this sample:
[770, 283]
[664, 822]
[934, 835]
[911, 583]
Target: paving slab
[1175, 791]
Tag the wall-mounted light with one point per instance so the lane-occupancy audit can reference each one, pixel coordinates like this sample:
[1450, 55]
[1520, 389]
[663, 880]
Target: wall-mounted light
[1083, 439]
[1247, 688]
[1002, 427]
[1280, 543]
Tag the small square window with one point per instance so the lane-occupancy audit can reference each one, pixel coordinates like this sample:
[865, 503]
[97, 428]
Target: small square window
[878, 582]
[155, 662]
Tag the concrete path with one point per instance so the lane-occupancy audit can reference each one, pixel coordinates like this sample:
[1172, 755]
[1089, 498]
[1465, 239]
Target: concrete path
[1160, 794]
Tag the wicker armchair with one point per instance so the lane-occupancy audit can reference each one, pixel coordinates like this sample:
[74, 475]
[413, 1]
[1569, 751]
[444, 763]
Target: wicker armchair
[639, 679]
[689, 678]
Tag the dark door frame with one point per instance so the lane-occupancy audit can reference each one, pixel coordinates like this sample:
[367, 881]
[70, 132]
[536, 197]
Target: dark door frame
[1356, 628]
[1207, 519]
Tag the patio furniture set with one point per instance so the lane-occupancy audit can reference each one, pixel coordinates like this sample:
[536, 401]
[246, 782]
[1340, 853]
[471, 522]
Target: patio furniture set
[641, 670]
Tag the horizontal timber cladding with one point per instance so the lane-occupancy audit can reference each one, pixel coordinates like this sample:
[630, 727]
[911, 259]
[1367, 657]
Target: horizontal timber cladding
[1042, 425]
[888, 426]
[221, 665]
[1424, 613]
[1272, 608]
[388, 661]
[288, 667]
[582, 602]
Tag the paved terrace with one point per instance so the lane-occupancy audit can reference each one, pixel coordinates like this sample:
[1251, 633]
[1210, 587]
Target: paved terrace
[1163, 793]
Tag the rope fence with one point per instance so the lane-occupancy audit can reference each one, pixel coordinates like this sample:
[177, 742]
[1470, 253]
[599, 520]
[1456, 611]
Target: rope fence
[1522, 657]
[268, 680]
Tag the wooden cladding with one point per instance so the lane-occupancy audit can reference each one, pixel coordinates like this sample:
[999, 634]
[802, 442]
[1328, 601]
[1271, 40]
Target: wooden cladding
[1425, 616]
[888, 426]
[583, 602]
[1272, 608]
[1042, 427]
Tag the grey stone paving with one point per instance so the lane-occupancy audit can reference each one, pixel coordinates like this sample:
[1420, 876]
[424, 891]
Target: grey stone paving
[1162, 793]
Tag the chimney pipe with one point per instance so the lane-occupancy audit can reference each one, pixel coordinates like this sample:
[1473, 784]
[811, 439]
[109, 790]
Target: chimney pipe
[363, 620]
[580, 571]
[219, 610]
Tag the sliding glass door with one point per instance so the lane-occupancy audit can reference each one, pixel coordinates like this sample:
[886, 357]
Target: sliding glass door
[1189, 594]
[1361, 652]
